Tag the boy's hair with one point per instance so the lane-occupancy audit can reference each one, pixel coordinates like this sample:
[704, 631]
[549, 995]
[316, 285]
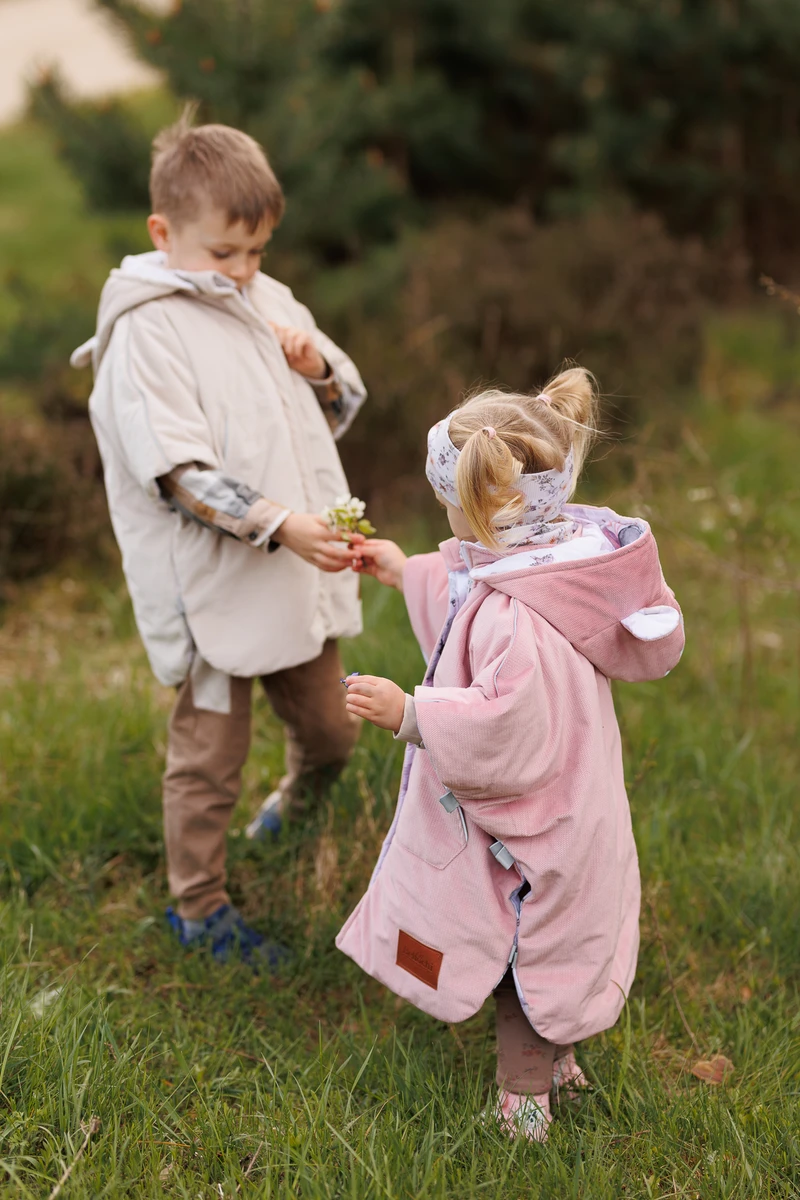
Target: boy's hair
[532, 434]
[215, 163]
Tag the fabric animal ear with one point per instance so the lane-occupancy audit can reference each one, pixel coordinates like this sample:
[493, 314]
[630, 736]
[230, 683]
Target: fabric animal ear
[652, 624]
[83, 355]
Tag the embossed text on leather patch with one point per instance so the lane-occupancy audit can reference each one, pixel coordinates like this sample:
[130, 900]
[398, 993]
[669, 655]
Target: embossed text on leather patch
[419, 960]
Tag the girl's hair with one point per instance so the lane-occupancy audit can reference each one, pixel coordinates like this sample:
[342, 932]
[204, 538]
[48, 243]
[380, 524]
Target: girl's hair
[528, 434]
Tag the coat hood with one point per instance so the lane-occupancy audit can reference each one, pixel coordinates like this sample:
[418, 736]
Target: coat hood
[608, 599]
[139, 279]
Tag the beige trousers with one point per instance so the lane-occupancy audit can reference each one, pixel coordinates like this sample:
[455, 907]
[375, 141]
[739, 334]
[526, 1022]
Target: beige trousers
[206, 752]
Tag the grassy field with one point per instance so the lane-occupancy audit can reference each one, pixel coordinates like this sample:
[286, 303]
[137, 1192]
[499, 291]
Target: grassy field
[207, 1081]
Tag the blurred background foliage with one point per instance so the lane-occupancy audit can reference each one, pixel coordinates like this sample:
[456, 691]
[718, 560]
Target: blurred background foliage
[475, 191]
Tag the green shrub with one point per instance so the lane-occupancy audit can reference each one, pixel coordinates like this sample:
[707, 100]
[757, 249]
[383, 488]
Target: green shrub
[45, 326]
[504, 300]
[51, 496]
[103, 143]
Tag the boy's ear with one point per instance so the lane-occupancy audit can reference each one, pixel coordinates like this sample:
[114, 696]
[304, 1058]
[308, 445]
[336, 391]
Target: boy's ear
[159, 230]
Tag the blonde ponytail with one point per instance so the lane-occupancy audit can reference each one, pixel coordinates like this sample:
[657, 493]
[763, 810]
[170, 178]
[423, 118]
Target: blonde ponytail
[485, 477]
[574, 398]
[503, 435]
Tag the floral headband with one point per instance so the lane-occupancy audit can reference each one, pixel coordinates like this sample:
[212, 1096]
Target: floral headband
[545, 492]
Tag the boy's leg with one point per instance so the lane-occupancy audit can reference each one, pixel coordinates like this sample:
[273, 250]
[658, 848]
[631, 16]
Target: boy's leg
[205, 755]
[320, 733]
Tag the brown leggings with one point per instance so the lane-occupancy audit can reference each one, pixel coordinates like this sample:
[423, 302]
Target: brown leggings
[524, 1059]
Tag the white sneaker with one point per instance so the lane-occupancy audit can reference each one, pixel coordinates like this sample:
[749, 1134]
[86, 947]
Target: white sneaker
[523, 1116]
[268, 821]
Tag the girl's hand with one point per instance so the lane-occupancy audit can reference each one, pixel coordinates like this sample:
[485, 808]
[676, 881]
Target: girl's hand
[309, 536]
[384, 560]
[301, 353]
[377, 700]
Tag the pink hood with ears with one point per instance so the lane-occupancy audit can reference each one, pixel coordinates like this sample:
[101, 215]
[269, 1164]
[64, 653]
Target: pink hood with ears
[520, 778]
[614, 608]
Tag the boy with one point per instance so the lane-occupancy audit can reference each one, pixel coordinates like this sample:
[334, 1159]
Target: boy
[215, 407]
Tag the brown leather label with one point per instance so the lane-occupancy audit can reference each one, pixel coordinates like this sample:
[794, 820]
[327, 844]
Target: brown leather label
[421, 961]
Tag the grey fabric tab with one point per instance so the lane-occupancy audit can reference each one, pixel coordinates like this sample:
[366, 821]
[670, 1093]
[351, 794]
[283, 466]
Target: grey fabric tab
[448, 802]
[503, 855]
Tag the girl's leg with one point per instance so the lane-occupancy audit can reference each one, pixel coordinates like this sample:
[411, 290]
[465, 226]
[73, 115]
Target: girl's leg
[524, 1059]
[568, 1078]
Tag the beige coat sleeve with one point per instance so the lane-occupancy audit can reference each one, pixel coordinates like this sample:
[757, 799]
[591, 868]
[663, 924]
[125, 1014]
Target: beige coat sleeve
[223, 504]
[154, 399]
[343, 393]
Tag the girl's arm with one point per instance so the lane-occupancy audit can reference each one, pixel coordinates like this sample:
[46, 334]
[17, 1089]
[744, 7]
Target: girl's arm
[501, 737]
[384, 560]
[496, 740]
[422, 579]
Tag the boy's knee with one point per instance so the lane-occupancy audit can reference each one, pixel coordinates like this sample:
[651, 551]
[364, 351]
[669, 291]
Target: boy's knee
[339, 741]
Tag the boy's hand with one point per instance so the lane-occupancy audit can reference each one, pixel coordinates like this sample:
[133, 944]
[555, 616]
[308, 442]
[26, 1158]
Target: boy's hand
[377, 700]
[301, 353]
[384, 560]
[308, 535]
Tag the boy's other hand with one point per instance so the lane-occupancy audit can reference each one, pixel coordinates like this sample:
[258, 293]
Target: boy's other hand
[309, 536]
[383, 560]
[377, 700]
[301, 353]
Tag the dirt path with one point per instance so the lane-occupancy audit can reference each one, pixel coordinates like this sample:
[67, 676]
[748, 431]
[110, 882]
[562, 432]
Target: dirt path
[70, 34]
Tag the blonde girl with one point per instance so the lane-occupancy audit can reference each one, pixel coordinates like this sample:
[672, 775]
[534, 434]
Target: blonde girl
[510, 867]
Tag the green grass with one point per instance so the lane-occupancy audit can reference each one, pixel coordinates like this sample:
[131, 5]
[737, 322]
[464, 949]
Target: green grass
[339, 1089]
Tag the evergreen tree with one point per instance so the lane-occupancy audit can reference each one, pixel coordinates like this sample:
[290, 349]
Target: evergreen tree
[380, 113]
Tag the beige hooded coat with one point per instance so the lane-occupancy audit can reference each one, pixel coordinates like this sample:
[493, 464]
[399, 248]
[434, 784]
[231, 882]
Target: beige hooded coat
[188, 370]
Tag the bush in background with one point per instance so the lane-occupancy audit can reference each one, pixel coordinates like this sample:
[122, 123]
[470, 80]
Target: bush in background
[475, 191]
[377, 112]
[500, 300]
[503, 301]
[50, 496]
[104, 145]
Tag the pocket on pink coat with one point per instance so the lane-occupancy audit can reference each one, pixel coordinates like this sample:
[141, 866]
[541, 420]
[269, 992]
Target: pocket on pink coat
[428, 832]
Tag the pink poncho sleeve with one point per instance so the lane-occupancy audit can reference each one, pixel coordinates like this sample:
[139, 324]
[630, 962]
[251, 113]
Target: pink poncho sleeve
[497, 739]
[425, 589]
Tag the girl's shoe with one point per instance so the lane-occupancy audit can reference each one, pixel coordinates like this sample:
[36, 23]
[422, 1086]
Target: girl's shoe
[568, 1079]
[268, 821]
[226, 933]
[523, 1116]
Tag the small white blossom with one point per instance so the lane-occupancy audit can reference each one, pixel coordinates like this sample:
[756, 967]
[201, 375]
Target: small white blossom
[346, 515]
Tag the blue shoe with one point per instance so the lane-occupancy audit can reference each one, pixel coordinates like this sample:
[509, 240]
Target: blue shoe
[228, 935]
[268, 821]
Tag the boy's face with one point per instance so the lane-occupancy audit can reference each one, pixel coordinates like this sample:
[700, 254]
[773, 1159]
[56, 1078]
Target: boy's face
[209, 243]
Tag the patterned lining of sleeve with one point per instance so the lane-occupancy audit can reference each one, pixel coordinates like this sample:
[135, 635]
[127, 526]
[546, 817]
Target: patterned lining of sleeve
[223, 504]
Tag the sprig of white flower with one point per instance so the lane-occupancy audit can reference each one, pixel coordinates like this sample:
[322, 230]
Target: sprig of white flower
[346, 516]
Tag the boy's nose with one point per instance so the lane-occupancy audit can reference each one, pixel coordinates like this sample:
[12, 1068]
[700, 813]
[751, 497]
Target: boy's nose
[239, 274]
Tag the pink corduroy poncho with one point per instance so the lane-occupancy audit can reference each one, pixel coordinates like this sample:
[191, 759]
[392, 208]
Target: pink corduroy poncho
[521, 740]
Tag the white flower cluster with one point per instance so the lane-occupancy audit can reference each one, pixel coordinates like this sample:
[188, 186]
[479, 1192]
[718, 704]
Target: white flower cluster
[346, 515]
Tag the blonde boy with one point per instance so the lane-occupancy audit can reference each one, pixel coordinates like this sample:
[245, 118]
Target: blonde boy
[216, 404]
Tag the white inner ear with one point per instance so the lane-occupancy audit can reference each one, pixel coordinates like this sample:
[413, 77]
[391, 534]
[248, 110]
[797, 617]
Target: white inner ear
[651, 624]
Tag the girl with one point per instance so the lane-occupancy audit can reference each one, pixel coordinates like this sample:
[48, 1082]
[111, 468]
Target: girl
[510, 866]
